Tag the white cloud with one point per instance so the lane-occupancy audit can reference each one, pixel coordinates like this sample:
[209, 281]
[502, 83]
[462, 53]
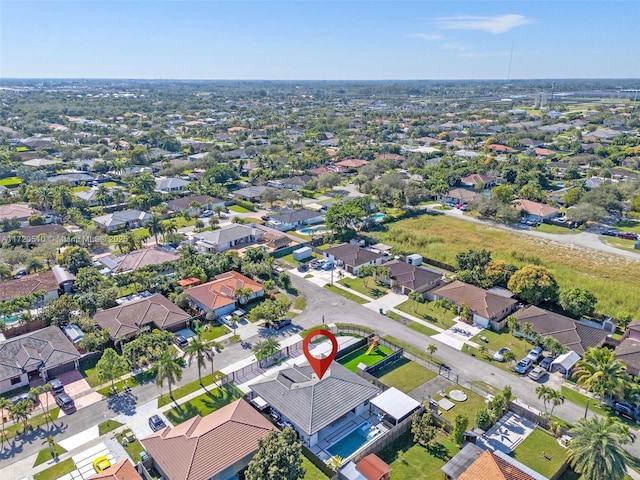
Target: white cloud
[454, 46]
[499, 24]
[426, 37]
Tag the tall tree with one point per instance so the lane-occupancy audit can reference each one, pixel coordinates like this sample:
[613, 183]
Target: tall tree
[534, 284]
[279, 457]
[596, 450]
[197, 350]
[155, 226]
[36, 392]
[512, 325]
[110, 366]
[549, 396]
[578, 302]
[417, 298]
[20, 412]
[601, 372]
[460, 425]
[5, 404]
[167, 369]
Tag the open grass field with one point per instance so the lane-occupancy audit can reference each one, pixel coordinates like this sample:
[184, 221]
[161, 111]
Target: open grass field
[372, 290]
[428, 311]
[613, 279]
[414, 462]
[620, 243]
[205, 403]
[405, 375]
[352, 360]
[472, 405]
[541, 452]
[10, 182]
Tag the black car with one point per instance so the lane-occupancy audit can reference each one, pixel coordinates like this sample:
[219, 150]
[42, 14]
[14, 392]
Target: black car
[283, 322]
[181, 341]
[303, 267]
[266, 218]
[56, 386]
[546, 362]
[64, 401]
[610, 233]
[629, 411]
[156, 423]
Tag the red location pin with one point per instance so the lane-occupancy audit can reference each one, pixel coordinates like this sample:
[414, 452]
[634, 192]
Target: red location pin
[320, 365]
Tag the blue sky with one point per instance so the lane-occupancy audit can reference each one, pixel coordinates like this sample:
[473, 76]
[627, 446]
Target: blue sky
[301, 39]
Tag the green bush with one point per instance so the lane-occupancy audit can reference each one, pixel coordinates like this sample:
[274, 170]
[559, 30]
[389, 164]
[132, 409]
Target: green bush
[307, 193]
[483, 419]
[245, 204]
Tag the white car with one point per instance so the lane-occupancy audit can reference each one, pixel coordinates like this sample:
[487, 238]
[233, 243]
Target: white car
[499, 355]
[537, 373]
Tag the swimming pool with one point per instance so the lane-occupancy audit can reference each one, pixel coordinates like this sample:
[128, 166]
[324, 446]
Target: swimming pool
[310, 230]
[8, 321]
[378, 217]
[352, 442]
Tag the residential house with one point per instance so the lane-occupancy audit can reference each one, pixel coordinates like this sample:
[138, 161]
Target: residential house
[251, 194]
[628, 351]
[487, 308]
[155, 311]
[73, 179]
[64, 278]
[45, 353]
[206, 202]
[219, 295]
[296, 183]
[215, 447]
[478, 181]
[127, 219]
[171, 185]
[18, 211]
[459, 195]
[36, 282]
[352, 163]
[294, 219]
[574, 335]
[535, 210]
[136, 259]
[40, 163]
[370, 467]
[312, 405]
[410, 278]
[37, 234]
[230, 236]
[122, 470]
[90, 196]
[474, 463]
[351, 257]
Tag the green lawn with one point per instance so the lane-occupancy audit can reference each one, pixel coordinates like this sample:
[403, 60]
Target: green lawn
[10, 182]
[300, 303]
[205, 403]
[57, 471]
[580, 399]
[496, 341]
[88, 370]
[423, 329]
[44, 455]
[629, 226]
[405, 375]
[372, 290]
[133, 449]
[620, 243]
[472, 405]
[546, 228]
[183, 391]
[210, 332]
[35, 421]
[442, 238]
[417, 462]
[140, 233]
[107, 426]
[352, 360]
[180, 221]
[345, 294]
[110, 184]
[311, 472]
[428, 311]
[535, 447]
[80, 189]
[139, 379]
[238, 209]
[420, 353]
[289, 259]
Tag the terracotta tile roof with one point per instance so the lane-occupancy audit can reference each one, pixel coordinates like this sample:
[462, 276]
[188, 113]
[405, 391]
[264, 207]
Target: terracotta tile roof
[220, 291]
[187, 282]
[373, 467]
[500, 148]
[544, 152]
[120, 471]
[352, 163]
[480, 301]
[21, 211]
[492, 467]
[126, 319]
[202, 447]
[27, 285]
[534, 208]
[477, 178]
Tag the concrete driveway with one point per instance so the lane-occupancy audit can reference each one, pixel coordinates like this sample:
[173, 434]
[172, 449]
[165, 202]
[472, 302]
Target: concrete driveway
[139, 422]
[84, 461]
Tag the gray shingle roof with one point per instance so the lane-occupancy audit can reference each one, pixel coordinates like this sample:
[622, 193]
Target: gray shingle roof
[226, 234]
[293, 216]
[312, 404]
[47, 346]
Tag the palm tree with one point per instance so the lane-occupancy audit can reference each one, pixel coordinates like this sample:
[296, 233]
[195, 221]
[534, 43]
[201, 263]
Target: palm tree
[443, 304]
[512, 325]
[416, 298]
[599, 371]
[196, 349]
[4, 405]
[35, 393]
[214, 222]
[509, 357]
[335, 463]
[265, 348]
[596, 450]
[33, 264]
[51, 442]
[155, 226]
[432, 348]
[20, 411]
[243, 294]
[167, 369]
[549, 396]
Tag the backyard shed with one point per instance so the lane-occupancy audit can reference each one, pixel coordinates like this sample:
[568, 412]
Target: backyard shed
[565, 362]
[395, 405]
[302, 253]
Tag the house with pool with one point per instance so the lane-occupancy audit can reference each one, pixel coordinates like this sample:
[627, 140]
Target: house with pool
[294, 219]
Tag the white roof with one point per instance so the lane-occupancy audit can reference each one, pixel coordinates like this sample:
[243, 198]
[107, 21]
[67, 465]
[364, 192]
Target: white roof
[395, 403]
[350, 472]
[567, 360]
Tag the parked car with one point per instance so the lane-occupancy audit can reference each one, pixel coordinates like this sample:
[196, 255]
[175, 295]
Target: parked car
[19, 274]
[610, 233]
[523, 365]
[100, 464]
[628, 235]
[546, 363]
[21, 397]
[627, 410]
[319, 265]
[64, 401]
[535, 354]
[537, 373]
[266, 218]
[182, 341]
[156, 423]
[303, 267]
[328, 265]
[280, 324]
[499, 355]
[56, 386]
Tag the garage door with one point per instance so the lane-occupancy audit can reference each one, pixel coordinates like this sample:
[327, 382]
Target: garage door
[55, 371]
